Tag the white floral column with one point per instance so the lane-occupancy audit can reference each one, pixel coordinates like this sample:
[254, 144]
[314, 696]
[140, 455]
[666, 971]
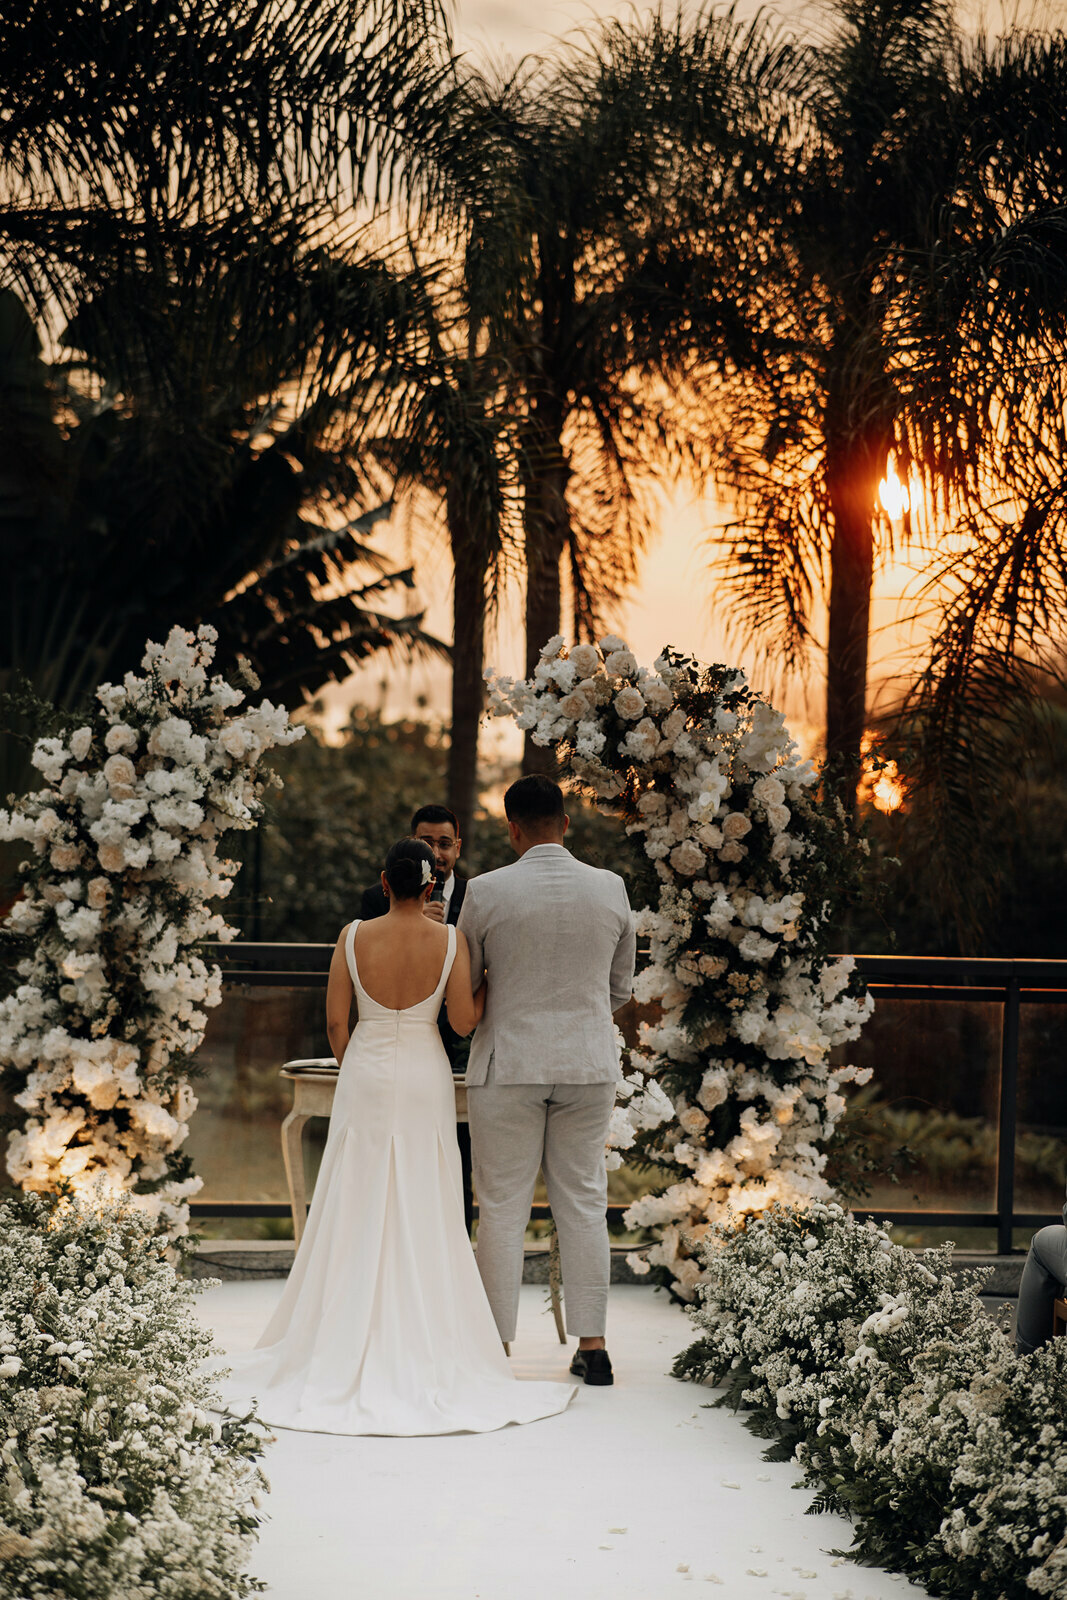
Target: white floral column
[732, 1089]
[115, 898]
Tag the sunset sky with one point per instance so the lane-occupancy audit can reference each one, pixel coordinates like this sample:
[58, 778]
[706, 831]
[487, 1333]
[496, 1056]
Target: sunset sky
[674, 601]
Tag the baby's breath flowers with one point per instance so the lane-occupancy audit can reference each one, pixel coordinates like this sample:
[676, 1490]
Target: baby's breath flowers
[732, 1089]
[904, 1403]
[110, 998]
[116, 1479]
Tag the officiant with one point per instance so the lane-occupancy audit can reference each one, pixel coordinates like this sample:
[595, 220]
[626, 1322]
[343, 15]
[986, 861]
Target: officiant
[437, 826]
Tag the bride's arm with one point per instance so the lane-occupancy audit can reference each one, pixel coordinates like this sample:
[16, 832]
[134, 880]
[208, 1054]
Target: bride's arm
[464, 1009]
[339, 997]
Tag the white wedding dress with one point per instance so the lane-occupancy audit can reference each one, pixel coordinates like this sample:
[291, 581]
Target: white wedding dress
[384, 1326]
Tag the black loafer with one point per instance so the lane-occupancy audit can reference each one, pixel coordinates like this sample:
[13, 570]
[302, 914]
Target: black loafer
[593, 1366]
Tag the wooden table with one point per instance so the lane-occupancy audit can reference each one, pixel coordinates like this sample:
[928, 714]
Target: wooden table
[314, 1080]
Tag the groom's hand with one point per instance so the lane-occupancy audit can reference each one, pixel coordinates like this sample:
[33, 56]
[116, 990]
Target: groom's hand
[435, 910]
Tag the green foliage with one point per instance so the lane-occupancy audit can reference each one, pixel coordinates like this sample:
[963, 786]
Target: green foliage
[114, 1469]
[974, 862]
[953, 1153]
[188, 450]
[342, 805]
[869, 1143]
[905, 1405]
[344, 802]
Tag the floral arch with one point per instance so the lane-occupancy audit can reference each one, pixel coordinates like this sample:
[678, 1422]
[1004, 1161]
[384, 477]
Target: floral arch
[98, 1036]
[731, 1090]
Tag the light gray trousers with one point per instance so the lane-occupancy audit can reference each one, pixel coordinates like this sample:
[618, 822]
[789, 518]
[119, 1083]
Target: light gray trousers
[517, 1128]
[1044, 1280]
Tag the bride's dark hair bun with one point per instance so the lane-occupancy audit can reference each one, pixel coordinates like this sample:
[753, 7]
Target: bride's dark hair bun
[406, 868]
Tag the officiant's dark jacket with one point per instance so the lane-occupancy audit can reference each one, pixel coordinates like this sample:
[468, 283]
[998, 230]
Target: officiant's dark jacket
[374, 904]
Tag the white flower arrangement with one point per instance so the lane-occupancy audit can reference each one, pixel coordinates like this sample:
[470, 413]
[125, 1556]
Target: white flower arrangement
[732, 1088]
[117, 1481]
[111, 996]
[905, 1404]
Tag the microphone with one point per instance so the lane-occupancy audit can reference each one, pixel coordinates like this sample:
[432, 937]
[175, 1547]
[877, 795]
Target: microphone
[438, 890]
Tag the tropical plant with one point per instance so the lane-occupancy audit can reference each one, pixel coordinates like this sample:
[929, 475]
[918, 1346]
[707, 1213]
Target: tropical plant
[879, 250]
[215, 326]
[564, 166]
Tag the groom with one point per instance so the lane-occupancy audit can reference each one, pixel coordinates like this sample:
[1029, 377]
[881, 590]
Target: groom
[556, 940]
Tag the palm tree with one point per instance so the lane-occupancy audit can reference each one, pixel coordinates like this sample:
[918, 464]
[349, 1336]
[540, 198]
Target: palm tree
[604, 340]
[451, 438]
[216, 327]
[859, 252]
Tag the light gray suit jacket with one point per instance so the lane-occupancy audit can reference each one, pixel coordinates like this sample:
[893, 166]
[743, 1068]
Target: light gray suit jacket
[556, 939]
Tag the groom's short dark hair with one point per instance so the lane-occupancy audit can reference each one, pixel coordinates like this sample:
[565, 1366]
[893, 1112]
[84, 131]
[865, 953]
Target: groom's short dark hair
[534, 802]
[435, 814]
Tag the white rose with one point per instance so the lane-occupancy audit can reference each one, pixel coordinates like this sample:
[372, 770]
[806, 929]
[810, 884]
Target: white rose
[112, 857]
[81, 741]
[732, 851]
[620, 663]
[693, 1121]
[575, 706]
[121, 775]
[657, 693]
[98, 894]
[586, 659]
[611, 642]
[652, 804]
[552, 648]
[687, 858]
[629, 703]
[713, 1088]
[120, 740]
[735, 825]
[778, 817]
[768, 790]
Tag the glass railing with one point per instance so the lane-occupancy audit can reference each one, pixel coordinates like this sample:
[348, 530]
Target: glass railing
[968, 1078]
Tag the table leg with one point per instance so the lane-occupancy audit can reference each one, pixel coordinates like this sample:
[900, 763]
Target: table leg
[293, 1156]
[555, 1282]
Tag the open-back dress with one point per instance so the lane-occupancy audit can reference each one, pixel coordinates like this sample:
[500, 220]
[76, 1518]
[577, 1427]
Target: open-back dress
[384, 1326]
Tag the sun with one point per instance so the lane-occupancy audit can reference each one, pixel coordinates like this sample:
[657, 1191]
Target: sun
[893, 494]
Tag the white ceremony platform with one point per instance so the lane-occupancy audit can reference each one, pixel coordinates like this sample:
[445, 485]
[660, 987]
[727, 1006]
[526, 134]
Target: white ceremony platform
[634, 1493]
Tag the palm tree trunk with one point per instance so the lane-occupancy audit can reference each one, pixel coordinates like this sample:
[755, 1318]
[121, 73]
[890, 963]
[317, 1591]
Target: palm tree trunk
[853, 472]
[546, 526]
[468, 660]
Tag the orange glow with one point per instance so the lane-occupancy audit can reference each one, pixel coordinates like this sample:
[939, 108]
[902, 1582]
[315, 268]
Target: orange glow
[893, 494]
[888, 789]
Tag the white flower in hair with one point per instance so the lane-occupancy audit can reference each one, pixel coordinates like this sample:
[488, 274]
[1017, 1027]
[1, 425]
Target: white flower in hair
[427, 872]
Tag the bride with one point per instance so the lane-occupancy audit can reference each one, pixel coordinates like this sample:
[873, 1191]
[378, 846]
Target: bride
[383, 1326]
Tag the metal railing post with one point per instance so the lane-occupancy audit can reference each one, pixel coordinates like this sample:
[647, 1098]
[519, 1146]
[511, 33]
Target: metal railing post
[1009, 1088]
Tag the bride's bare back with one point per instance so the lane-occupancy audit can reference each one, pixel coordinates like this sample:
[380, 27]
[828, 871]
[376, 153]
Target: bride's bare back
[399, 959]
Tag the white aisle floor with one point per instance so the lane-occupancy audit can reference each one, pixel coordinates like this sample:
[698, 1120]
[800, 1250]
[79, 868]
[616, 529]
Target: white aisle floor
[634, 1493]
